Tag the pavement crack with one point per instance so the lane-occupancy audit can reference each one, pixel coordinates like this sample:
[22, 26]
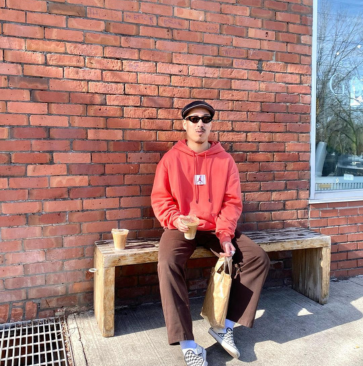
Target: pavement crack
[80, 340]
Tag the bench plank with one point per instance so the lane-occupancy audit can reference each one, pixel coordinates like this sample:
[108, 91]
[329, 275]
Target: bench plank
[146, 251]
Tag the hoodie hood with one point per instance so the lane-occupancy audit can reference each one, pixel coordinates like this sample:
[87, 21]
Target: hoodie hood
[215, 148]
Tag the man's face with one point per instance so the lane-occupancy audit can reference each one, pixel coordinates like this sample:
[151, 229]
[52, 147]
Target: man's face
[197, 132]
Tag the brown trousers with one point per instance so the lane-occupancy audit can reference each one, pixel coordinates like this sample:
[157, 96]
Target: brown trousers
[252, 265]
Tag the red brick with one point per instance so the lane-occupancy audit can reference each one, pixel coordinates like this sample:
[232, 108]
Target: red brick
[10, 69]
[89, 145]
[300, 29]
[80, 287]
[12, 43]
[105, 64]
[157, 32]
[69, 109]
[86, 216]
[78, 264]
[287, 37]
[80, 240]
[203, 49]
[30, 5]
[67, 133]
[262, 13]
[107, 88]
[57, 218]
[68, 85]
[139, 18]
[36, 170]
[23, 57]
[293, 48]
[59, 278]
[46, 291]
[24, 158]
[104, 14]
[33, 108]
[25, 257]
[50, 145]
[15, 146]
[88, 24]
[66, 205]
[28, 281]
[107, 111]
[46, 19]
[69, 181]
[261, 55]
[23, 207]
[93, 204]
[14, 245]
[11, 271]
[105, 134]
[156, 9]
[60, 230]
[121, 100]
[155, 56]
[8, 221]
[64, 35]
[31, 309]
[84, 49]
[95, 227]
[66, 9]
[140, 135]
[44, 267]
[123, 5]
[87, 98]
[287, 57]
[23, 31]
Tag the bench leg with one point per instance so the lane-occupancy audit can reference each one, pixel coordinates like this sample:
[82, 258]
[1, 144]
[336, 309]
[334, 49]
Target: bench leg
[311, 273]
[104, 296]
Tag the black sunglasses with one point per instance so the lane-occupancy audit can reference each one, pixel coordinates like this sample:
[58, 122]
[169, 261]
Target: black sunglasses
[195, 119]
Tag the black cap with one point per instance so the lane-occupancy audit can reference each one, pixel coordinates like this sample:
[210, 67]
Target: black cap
[197, 103]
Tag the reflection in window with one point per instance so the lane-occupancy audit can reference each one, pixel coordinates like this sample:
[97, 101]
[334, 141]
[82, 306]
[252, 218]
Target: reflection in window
[339, 104]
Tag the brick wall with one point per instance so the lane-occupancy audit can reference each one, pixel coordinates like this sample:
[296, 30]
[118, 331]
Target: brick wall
[343, 221]
[90, 99]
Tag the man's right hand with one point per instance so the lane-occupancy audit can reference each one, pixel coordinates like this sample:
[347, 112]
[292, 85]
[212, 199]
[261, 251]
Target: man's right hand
[179, 225]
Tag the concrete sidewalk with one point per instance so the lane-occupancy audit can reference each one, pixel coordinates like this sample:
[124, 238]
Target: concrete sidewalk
[290, 330]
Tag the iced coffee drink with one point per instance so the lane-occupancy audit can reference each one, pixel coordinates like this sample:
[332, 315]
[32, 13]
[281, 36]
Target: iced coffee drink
[119, 238]
[192, 222]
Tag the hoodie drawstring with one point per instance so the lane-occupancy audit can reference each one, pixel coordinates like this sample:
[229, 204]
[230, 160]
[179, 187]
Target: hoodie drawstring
[196, 188]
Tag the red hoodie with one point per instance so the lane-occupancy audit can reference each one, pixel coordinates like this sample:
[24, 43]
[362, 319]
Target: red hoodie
[217, 203]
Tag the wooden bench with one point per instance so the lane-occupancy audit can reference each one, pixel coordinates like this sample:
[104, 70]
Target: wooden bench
[310, 265]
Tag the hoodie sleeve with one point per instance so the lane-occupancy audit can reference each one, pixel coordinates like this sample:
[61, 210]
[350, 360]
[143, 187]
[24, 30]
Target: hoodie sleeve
[231, 210]
[164, 206]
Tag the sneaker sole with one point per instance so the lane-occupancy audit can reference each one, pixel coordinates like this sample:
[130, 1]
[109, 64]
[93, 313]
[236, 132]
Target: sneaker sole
[232, 351]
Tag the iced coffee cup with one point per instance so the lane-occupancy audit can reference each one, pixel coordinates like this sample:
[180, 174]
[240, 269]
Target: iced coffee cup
[192, 222]
[119, 238]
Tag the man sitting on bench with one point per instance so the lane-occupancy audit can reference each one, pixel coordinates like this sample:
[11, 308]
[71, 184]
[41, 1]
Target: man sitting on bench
[198, 176]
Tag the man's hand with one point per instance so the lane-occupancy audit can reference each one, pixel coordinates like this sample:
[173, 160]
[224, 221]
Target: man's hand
[228, 249]
[179, 225]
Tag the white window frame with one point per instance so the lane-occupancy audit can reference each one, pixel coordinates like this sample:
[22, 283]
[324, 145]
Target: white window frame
[326, 196]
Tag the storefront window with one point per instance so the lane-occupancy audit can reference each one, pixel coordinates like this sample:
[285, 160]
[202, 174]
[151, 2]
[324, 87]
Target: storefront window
[339, 96]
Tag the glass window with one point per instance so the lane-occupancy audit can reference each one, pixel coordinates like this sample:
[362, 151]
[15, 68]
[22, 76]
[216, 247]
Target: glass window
[339, 96]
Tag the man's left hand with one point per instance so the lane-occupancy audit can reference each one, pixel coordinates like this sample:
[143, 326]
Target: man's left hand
[228, 249]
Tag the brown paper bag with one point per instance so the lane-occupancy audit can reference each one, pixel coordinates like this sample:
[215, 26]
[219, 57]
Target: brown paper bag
[216, 300]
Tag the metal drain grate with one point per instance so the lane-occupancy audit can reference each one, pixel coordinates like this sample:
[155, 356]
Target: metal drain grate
[37, 342]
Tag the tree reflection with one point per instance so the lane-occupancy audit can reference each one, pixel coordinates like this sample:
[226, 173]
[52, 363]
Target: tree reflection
[339, 119]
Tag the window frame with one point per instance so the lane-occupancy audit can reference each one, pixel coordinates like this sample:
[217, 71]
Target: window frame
[316, 196]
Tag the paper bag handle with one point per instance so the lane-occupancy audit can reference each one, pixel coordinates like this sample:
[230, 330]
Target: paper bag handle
[227, 262]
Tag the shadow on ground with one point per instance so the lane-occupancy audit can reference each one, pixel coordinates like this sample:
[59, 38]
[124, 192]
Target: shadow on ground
[290, 330]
